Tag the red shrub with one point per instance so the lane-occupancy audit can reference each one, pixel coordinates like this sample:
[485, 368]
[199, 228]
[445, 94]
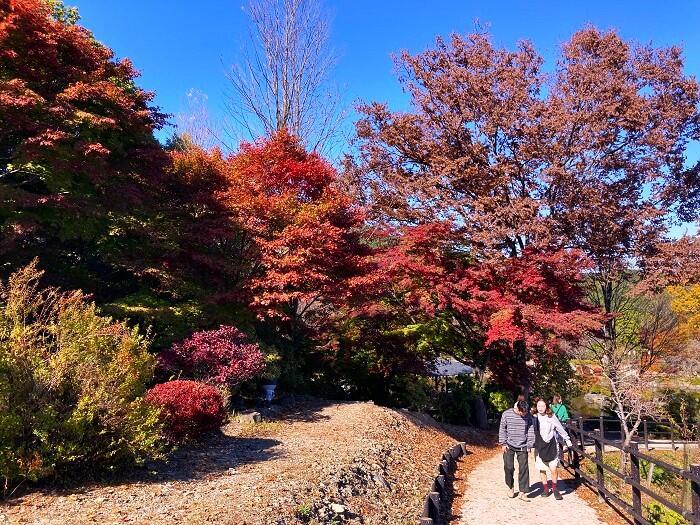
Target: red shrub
[223, 357]
[190, 408]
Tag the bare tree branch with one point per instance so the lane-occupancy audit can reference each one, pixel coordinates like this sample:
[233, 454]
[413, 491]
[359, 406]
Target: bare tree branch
[282, 80]
[640, 338]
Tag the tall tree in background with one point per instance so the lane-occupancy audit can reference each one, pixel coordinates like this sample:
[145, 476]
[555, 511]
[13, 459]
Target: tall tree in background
[266, 228]
[593, 162]
[77, 154]
[618, 121]
[283, 80]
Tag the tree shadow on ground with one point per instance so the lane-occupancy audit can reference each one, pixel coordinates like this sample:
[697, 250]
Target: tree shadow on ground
[216, 454]
[297, 409]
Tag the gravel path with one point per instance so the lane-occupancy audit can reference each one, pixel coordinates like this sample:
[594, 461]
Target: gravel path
[486, 500]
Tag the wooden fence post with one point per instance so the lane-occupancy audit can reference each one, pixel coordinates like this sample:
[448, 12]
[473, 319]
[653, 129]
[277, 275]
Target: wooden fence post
[425, 519]
[600, 473]
[673, 439]
[695, 469]
[636, 493]
[440, 484]
[444, 468]
[646, 434]
[601, 426]
[580, 436]
[576, 458]
[435, 500]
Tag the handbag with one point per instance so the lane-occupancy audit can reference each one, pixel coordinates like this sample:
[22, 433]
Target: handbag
[547, 451]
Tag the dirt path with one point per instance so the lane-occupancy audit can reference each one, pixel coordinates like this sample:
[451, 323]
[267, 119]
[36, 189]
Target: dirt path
[375, 462]
[485, 500]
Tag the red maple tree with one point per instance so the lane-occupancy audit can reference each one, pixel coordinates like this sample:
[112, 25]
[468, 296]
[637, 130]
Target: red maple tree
[78, 158]
[305, 229]
[499, 308]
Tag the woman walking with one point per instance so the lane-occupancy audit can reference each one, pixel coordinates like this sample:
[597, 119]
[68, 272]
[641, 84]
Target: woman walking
[559, 409]
[547, 428]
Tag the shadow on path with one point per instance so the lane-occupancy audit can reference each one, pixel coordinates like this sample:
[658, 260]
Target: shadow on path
[215, 455]
[537, 489]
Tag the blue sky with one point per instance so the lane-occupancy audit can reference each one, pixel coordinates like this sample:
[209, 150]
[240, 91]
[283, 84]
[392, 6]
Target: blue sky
[179, 45]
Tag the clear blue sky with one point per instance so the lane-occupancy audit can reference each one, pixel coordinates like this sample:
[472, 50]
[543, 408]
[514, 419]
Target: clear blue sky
[183, 44]
[179, 45]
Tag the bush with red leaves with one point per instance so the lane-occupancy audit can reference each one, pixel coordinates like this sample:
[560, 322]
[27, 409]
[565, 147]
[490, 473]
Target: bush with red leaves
[189, 408]
[222, 357]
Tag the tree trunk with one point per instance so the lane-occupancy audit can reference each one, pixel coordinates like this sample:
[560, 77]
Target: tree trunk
[480, 417]
[524, 379]
[625, 445]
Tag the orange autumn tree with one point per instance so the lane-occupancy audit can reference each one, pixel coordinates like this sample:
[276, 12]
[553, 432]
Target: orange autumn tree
[78, 158]
[305, 229]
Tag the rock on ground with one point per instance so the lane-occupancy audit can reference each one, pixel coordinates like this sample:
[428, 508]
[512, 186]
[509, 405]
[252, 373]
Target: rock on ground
[316, 462]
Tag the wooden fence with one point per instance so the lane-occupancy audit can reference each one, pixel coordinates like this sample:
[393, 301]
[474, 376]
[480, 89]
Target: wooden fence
[581, 438]
[650, 433]
[438, 501]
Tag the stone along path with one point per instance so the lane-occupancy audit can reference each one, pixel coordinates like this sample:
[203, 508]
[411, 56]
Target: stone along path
[486, 500]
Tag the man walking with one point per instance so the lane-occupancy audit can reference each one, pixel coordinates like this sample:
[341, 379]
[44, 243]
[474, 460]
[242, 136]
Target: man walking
[516, 435]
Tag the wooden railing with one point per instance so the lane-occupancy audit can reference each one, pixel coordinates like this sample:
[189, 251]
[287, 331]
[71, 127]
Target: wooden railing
[437, 502]
[582, 438]
[650, 433]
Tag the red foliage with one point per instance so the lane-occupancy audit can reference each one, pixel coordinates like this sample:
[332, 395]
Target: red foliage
[206, 244]
[190, 409]
[536, 298]
[69, 104]
[78, 159]
[515, 305]
[305, 228]
[222, 357]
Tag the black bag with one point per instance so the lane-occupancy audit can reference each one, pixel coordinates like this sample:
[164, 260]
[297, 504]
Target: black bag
[547, 451]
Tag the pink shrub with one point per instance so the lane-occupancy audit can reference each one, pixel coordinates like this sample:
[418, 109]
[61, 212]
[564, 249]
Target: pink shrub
[222, 357]
[189, 408]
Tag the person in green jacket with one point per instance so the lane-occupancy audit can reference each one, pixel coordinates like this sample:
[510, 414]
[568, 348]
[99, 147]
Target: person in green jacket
[559, 409]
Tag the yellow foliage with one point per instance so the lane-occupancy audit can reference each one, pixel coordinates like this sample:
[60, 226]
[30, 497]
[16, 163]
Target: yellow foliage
[685, 301]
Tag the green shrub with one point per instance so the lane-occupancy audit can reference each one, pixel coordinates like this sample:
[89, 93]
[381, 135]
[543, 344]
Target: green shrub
[71, 385]
[455, 405]
[410, 391]
[660, 476]
[660, 515]
[683, 409]
[499, 402]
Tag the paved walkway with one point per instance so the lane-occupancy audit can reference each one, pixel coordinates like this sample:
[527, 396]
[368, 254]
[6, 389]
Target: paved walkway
[486, 500]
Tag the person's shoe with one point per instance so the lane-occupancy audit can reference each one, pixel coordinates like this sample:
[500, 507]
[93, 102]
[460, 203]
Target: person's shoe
[545, 493]
[557, 495]
[523, 497]
[511, 492]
